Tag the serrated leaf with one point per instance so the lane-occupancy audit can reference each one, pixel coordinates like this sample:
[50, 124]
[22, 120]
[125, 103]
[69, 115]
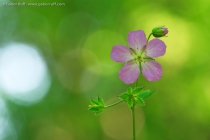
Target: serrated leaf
[96, 109]
[94, 102]
[146, 93]
[153, 92]
[97, 106]
[137, 91]
[124, 96]
[101, 102]
[93, 109]
[130, 102]
[129, 91]
[140, 101]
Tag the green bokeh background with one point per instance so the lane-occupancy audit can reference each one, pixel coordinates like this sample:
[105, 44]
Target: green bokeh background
[75, 40]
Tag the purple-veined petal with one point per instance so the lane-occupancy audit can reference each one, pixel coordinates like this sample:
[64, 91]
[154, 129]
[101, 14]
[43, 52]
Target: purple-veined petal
[155, 48]
[121, 53]
[137, 40]
[151, 70]
[129, 72]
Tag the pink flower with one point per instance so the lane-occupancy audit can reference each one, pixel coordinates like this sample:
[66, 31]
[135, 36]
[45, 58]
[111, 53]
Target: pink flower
[139, 57]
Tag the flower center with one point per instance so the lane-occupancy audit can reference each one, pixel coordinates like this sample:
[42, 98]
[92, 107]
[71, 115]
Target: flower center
[138, 58]
[141, 58]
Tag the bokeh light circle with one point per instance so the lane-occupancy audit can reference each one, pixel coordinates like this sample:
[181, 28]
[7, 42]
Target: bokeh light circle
[6, 126]
[23, 73]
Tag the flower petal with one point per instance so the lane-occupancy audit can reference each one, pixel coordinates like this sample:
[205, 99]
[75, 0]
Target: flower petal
[137, 40]
[152, 70]
[121, 53]
[155, 48]
[129, 72]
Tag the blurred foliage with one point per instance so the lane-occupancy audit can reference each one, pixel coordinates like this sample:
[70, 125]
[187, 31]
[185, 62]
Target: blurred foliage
[76, 40]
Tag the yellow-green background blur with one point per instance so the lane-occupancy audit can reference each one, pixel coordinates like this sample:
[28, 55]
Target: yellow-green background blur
[73, 43]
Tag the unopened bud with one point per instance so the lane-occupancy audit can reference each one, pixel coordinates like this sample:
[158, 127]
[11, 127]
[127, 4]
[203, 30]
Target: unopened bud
[159, 31]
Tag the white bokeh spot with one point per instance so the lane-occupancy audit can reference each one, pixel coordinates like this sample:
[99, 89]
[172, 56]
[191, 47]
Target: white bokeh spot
[23, 73]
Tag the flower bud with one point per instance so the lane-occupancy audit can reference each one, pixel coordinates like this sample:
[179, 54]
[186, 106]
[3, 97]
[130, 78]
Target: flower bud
[159, 31]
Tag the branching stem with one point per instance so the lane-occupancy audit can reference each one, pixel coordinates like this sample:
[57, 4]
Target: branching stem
[114, 104]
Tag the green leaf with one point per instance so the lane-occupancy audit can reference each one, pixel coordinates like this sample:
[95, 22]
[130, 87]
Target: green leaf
[124, 96]
[100, 101]
[93, 109]
[96, 106]
[96, 109]
[94, 102]
[146, 93]
[130, 102]
[140, 101]
[97, 113]
[129, 91]
[137, 91]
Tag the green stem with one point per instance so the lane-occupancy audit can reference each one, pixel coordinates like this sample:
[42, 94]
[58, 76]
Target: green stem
[134, 117]
[149, 37]
[114, 104]
[136, 83]
[134, 122]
